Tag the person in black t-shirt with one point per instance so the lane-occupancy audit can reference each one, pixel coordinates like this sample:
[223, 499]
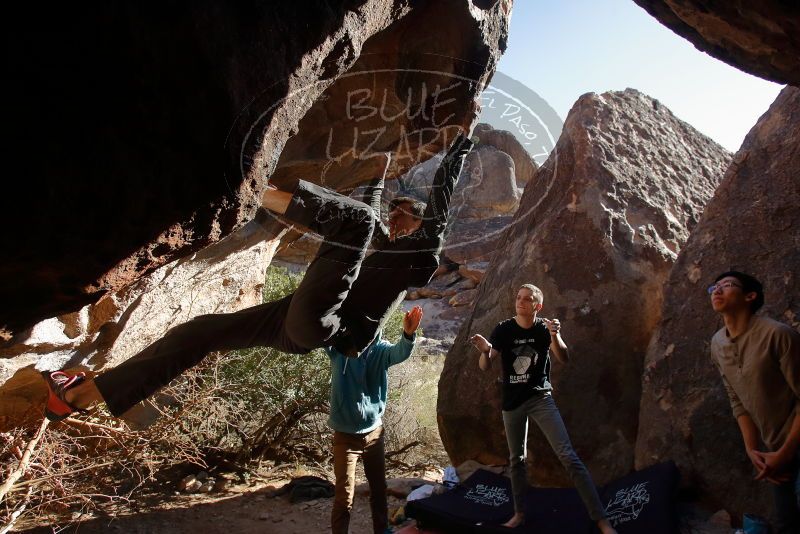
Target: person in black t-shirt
[523, 344]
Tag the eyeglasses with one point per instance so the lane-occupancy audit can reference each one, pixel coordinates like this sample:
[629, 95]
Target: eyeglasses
[721, 286]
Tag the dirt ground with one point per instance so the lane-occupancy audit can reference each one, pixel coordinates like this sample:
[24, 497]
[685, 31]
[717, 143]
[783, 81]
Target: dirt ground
[240, 509]
[243, 511]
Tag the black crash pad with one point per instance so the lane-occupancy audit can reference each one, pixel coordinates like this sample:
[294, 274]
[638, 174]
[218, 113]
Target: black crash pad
[642, 502]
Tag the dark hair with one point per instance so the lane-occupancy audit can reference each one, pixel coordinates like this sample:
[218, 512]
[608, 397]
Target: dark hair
[749, 285]
[416, 208]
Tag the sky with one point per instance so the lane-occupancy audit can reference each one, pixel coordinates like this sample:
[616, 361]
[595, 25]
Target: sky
[564, 49]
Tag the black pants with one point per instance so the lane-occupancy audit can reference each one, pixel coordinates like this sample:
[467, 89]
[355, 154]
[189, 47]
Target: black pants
[305, 320]
[786, 497]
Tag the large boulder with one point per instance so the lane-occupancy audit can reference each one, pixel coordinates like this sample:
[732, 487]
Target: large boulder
[144, 133]
[597, 231]
[762, 38]
[504, 141]
[487, 186]
[751, 224]
[476, 240]
[488, 195]
[224, 277]
[482, 207]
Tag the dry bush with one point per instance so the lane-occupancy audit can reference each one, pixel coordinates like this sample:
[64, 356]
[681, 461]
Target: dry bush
[212, 417]
[77, 467]
[411, 412]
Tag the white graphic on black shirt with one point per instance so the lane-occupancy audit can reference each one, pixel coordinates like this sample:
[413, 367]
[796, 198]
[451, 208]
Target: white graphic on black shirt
[525, 357]
[521, 364]
[627, 504]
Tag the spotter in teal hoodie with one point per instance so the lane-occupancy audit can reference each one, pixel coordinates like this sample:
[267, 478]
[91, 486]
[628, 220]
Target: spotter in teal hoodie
[358, 385]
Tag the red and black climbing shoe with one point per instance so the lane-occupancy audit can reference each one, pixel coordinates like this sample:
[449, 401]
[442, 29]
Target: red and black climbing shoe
[58, 382]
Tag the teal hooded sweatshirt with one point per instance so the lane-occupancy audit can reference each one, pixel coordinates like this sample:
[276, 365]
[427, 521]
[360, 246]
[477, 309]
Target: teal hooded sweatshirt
[358, 385]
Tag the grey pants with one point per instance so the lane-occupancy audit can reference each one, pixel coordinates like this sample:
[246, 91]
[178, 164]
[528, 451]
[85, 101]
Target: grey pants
[544, 412]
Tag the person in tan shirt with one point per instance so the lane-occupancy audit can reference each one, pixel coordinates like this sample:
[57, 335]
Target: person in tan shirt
[759, 360]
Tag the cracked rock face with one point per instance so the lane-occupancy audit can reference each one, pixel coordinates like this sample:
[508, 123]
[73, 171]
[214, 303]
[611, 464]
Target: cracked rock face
[751, 225]
[597, 230]
[143, 134]
[762, 38]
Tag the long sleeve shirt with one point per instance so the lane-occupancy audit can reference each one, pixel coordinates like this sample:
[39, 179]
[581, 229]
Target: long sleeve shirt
[394, 266]
[761, 373]
[359, 385]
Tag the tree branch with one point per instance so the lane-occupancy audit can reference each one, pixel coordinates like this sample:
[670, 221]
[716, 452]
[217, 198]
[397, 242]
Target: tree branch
[23, 463]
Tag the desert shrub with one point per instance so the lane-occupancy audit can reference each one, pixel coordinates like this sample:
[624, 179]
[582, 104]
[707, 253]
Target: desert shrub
[410, 419]
[267, 403]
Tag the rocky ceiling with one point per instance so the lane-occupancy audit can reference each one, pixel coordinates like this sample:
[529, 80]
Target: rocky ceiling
[762, 38]
[142, 134]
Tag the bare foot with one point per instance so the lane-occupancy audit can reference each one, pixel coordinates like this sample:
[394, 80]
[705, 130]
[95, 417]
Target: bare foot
[515, 521]
[605, 527]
